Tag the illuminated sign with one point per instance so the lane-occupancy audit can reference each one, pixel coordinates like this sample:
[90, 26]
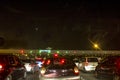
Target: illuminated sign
[44, 51]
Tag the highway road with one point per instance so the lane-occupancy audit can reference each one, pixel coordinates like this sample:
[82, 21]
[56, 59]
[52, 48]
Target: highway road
[84, 76]
[90, 76]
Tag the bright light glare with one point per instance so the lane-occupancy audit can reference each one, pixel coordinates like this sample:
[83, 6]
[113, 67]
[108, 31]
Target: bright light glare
[0, 66]
[43, 70]
[96, 46]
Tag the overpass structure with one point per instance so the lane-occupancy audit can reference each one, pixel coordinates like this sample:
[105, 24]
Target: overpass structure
[63, 52]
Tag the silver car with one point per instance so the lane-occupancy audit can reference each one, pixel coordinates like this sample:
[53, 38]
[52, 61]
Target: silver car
[88, 63]
[29, 65]
[59, 69]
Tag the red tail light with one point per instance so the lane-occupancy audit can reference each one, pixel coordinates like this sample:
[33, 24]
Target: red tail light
[62, 61]
[48, 62]
[56, 55]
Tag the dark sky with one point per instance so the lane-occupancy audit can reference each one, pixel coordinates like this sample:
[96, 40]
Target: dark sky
[60, 24]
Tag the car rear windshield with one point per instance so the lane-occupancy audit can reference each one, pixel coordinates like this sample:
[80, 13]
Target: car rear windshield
[61, 64]
[92, 60]
[27, 61]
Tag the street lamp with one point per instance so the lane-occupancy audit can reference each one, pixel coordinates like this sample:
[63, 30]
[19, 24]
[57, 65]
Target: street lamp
[96, 46]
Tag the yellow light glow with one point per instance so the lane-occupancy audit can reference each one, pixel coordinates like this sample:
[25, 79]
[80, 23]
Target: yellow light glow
[96, 46]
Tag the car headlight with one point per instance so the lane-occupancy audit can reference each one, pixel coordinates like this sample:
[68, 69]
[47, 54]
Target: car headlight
[43, 70]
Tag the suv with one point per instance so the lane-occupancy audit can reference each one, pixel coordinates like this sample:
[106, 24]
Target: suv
[88, 63]
[11, 67]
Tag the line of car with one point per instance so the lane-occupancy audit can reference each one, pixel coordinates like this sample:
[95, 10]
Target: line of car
[54, 68]
[33, 65]
[59, 68]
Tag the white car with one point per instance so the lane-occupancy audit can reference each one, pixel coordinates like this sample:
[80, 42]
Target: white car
[88, 64]
[76, 61]
[29, 65]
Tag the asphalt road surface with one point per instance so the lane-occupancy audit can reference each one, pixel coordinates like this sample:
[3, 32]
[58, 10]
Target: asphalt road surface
[89, 76]
[84, 76]
[31, 76]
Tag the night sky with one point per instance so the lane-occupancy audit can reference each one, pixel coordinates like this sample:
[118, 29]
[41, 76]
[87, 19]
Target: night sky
[60, 24]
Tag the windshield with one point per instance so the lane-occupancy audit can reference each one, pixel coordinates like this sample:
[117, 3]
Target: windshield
[64, 66]
[78, 32]
[28, 61]
[92, 59]
[59, 63]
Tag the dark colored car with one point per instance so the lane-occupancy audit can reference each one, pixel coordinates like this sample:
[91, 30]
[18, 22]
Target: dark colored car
[109, 68]
[117, 69]
[11, 68]
[59, 69]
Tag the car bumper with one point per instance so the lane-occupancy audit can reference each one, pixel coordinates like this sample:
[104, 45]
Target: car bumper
[63, 78]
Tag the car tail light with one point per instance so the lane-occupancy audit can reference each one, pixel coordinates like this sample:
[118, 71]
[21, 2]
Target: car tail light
[55, 55]
[48, 62]
[62, 61]
[76, 70]
[43, 70]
